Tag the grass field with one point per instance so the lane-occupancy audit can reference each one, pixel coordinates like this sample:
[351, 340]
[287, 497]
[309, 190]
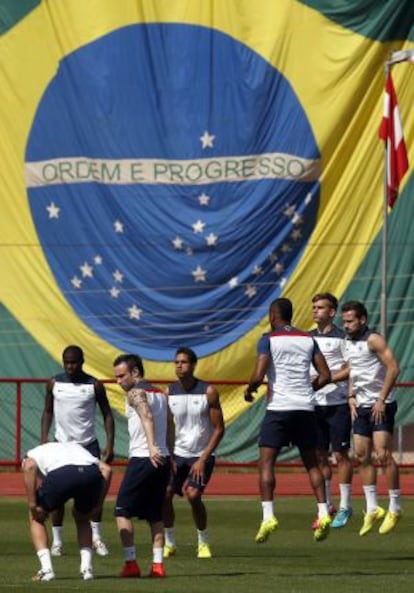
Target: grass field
[290, 562]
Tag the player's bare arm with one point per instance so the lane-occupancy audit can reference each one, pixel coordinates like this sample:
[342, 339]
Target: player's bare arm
[47, 415]
[257, 376]
[217, 421]
[378, 345]
[137, 399]
[109, 423]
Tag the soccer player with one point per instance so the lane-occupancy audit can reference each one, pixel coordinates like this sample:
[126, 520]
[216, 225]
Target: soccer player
[332, 411]
[285, 355]
[143, 487]
[68, 471]
[199, 427]
[373, 372]
[71, 400]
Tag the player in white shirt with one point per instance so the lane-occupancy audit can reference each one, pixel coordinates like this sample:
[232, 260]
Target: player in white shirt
[285, 355]
[331, 407]
[373, 372]
[199, 427]
[71, 401]
[67, 471]
[145, 481]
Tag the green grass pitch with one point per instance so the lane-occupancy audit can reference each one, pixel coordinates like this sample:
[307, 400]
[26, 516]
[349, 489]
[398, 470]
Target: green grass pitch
[290, 562]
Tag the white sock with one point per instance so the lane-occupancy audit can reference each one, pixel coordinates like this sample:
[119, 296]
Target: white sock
[130, 553]
[267, 509]
[96, 530]
[157, 555]
[322, 509]
[57, 535]
[86, 559]
[45, 559]
[202, 536]
[371, 497]
[328, 493]
[169, 536]
[395, 500]
[345, 492]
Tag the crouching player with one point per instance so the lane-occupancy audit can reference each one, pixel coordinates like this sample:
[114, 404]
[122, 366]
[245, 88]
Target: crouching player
[66, 470]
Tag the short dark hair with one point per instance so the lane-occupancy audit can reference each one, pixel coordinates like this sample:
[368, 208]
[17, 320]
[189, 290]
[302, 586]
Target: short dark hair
[75, 350]
[132, 361]
[357, 306]
[192, 356]
[326, 296]
[284, 307]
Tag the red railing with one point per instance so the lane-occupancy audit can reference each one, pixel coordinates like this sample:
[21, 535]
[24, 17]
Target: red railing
[19, 382]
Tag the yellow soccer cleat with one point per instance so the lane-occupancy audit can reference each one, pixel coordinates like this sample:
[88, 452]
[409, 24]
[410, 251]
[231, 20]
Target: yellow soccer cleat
[169, 550]
[370, 519]
[390, 521]
[265, 529]
[204, 551]
[322, 529]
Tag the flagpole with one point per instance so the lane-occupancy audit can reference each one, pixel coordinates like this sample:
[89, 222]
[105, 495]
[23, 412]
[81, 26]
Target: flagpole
[384, 246]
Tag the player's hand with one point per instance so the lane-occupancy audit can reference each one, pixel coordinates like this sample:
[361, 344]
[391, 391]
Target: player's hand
[107, 456]
[155, 456]
[197, 471]
[248, 396]
[38, 514]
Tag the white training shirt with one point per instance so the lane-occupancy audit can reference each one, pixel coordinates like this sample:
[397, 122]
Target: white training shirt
[157, 400]
[191, 411]
[291, 352]
[74, 409]
[51, 456]
[367, 373]
[331, 346]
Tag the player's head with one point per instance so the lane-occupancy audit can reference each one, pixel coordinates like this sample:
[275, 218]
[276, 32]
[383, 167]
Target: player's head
[73, 359]
[185, 361]
[128, 370]
[354, 317]
[324, 307]
[280, 312]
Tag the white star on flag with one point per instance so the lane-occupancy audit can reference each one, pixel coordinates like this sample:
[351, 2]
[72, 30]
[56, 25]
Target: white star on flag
[53, 210]
[207, 140]
[286, 248]
[199, 274]
[278, 268]
[203, 199]
[211, 239]
[297, 219]
[296, 234]
[282, 282]
[250, 291]
[178, 243]
[272, 258]
[97, 260]
[118, 276]
[87, 270]
[118, 226]
[290, 211]
[233, 282]
[257, 270]
[114, 292]
[76, 282]
[198, 227]
[308, 198]
[134, 312]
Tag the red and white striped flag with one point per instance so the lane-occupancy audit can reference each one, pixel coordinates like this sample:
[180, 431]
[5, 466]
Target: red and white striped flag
[391, 132]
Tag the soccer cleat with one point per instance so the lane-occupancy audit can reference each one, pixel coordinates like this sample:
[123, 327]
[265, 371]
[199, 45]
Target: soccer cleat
[87, 574]
[341, 518]
[370, 519]
[390, 521]
[332, 512]
[157, 571]
[56, 550]
[43, 576]
[322, 530]
[100, 548]
[169, 550]
[265, 529]
[204, 551]
[130, 570]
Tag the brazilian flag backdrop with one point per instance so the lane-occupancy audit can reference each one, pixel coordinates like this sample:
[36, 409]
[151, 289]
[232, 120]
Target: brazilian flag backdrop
[169, 167]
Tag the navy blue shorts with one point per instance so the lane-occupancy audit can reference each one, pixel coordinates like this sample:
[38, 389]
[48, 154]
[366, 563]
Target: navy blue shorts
[334, 427]
[142, 491]
[82, 483]
[183, 473]
[364, 424]
[281, 429]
